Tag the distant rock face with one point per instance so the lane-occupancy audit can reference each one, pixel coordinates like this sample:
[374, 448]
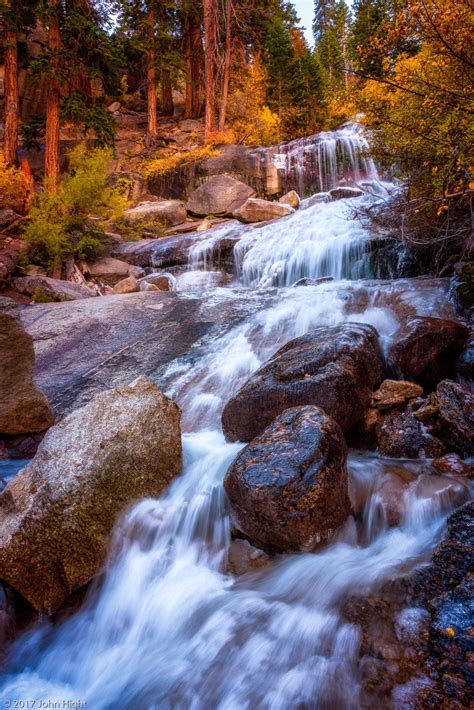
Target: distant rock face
[167, 213]
[288, 488]
[335, 368]
[54, 289]
[256, 210]
[220, 195]
[291, 198]
[456, 416]
[23, 407]
[425, 350]
[60, 510]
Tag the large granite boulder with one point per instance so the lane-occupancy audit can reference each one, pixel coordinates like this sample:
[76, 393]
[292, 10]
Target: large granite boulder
[57, 514]
[288, 488]
[109, 270]
[256, 210]
[456, 416]
[291, 198]
[425, 350]
[42, 288]
[166, 213]
[335, 368]
[23, 407]
[220, 195]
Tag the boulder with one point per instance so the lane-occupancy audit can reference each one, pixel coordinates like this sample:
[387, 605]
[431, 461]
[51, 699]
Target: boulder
[291, 198]
[109, 269]
[128, 285]
[425, 350]
[162, 280]
[394, 393]
[256, 210]
[23, 407]
[166, 213]
[287, 489]
[456, 417]
[335, 368]
[343, 193]
[43, 288]
[401, 435]
[220, 195]
[59, 511]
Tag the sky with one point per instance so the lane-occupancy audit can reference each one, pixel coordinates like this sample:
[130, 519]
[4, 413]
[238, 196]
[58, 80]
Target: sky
[305, 10]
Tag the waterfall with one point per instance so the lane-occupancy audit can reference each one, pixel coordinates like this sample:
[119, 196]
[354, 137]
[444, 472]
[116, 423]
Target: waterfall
[319, 162]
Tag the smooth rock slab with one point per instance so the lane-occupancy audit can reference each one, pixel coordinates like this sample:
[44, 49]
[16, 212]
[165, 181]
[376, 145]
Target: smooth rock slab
[55, 289]
[57, 514]
[288, 488]
[167, 213]
[23, 407]
[335, 368]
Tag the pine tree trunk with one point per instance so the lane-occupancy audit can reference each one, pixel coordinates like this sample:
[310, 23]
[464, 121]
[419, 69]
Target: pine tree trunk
[210, 48]
[192, 52]
[227, 58]
[166, 93]
[151, 77]
[11, 95]
[51, 162]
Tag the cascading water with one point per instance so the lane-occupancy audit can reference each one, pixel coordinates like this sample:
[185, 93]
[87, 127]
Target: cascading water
[168, 626]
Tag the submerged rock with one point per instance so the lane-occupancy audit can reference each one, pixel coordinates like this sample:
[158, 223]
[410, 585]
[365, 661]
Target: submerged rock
[456, 416]
[335, 368]
[342, 193]
[425, 350]
[288, 488]
[452, 465]
[256, 210]
[23, 407]
[220, 195]
[59, 511]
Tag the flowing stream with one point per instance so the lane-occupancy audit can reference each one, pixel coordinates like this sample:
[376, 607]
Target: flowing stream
[168, 626]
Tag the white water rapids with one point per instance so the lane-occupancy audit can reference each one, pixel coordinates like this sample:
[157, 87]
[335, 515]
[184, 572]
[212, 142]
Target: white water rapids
[168, 626]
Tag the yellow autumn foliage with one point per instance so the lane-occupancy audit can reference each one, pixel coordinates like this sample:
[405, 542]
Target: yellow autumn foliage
[14, 189]
[253, 123]
[157, 167]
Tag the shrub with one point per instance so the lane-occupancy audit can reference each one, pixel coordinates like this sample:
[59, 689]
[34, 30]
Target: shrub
[71, 221]
[14, 188]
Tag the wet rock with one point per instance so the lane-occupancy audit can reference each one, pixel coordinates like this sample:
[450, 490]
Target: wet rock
[166, 213]
[220, 195]
[43, 288]
[335, 368]
[395, 393]
[425, 350]
[155, 253]
[243, 557]
[342, 193]
[128, 285]
[256, 210]
[465, 365]
[8, 620]
[452, 465]
[456, 416]
[305, 281]
[401, 435]
[23, 407]
[461, 290]
[288, 488]
[60, 510]
[291, 198]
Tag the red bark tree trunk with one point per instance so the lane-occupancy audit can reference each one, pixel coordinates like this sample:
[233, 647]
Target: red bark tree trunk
[227, 59]
[151, 76]
[51, 160]
[210, 49]
[11, 95]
